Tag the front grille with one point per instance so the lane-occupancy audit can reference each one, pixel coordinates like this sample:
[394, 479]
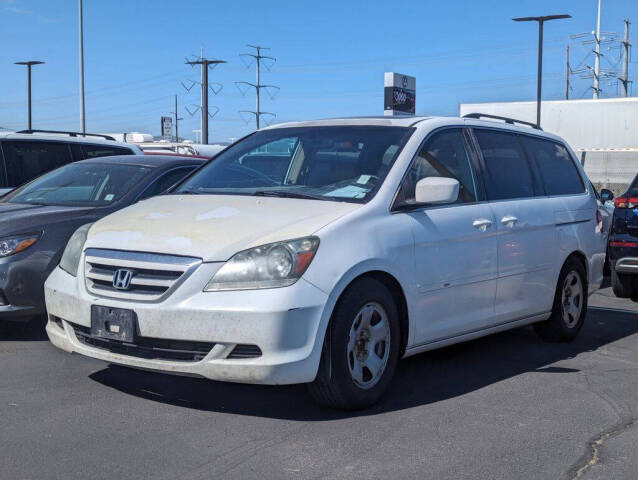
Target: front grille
[153, 275]
[147, 347]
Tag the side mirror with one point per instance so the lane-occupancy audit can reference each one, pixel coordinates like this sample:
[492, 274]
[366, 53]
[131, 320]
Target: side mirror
[437, 190]
[606, 195]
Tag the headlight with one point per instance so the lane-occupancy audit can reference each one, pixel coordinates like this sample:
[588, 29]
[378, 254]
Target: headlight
[71, 257]
[12, 245]
[269, 266]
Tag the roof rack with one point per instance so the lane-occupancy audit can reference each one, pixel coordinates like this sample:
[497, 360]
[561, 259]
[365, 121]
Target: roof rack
[511, 121]
[70, 134]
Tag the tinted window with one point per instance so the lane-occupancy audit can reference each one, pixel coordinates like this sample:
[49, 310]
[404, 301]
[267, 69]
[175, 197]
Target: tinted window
[82, 184]
[556, 166]
[348, 163]
[166, 181]
[3, 178]
[633, 188]
[507, 173]
[92, 151]
[444, 155]
[27, 160]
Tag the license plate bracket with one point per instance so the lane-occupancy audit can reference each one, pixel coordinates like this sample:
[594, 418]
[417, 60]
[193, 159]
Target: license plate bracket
[113, 323]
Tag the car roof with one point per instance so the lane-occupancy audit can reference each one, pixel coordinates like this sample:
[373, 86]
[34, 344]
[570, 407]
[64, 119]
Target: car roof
[55, 137]
[387, 121]
[153, 161]
[416, 121]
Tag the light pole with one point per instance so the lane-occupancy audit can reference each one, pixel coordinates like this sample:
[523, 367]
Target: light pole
[541, 21]
[81, 62]
[29, 64]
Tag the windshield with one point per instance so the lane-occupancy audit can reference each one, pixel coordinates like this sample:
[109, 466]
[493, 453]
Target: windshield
[346, 163]
[80, 184]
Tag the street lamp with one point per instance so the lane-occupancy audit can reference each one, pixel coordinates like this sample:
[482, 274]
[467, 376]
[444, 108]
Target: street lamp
[541, 21]
[29, 65]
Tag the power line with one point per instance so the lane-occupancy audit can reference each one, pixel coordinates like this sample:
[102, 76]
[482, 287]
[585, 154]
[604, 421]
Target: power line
[259, 58]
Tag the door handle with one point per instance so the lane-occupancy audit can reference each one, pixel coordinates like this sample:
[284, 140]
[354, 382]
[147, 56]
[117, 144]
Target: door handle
[482, 224]
[509, 220]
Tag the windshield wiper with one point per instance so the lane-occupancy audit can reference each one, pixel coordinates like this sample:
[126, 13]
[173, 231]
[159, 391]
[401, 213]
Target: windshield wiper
[186, 192]
[283, 194]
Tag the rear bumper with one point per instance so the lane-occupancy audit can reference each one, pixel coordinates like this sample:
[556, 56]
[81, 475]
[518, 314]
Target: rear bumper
[627, 265]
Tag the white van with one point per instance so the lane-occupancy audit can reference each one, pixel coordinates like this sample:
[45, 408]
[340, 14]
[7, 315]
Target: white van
[322, 252]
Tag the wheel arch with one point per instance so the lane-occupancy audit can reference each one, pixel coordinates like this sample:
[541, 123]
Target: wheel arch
[396, 290]
[582, 258]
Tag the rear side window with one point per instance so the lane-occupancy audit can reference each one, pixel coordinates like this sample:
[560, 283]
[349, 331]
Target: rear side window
[507, 173]
[92, 151]
[27, 160]
[558, 172]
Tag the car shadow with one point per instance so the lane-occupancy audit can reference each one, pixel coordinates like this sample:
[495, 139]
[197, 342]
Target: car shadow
[24, 330]
[420, 380]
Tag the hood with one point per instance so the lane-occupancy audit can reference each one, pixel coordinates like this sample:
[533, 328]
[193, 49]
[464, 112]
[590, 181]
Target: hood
[212, 227]
[22, 217]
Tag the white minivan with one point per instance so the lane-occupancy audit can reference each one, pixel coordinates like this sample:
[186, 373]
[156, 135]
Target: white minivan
[323, 252]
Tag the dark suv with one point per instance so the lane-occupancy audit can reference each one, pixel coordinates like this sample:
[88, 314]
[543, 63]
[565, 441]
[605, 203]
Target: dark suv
[623, 244]
[28, 154]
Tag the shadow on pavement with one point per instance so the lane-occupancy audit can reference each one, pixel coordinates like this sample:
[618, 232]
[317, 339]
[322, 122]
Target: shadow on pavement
[25, 330]
[419, 380]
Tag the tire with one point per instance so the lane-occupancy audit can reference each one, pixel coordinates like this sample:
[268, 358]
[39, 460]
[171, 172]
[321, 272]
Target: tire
[570, 305]
[358, 360]
[621, 285]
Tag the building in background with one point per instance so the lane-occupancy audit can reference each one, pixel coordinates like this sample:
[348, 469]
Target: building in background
[604, 132]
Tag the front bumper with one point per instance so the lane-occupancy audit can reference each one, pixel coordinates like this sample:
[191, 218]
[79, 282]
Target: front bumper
[21, 279]
[285, 323]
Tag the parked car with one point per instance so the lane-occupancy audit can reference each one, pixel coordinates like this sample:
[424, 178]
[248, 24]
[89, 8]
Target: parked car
[324, 262]
[623, 244]
[604, 200]
[27, 154]
[37, 219]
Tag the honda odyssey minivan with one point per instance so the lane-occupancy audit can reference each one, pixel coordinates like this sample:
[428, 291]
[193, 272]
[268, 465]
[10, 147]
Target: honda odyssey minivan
[323, 252]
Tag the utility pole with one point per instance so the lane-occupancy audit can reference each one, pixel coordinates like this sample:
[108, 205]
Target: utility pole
[258, 85]
[567, 72]
[81, 59]
[597, 59]
[177, 119]
[624, 80]
[541, 21]
[29, 64]
[205, 63]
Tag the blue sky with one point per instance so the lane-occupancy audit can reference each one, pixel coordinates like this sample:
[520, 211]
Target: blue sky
[331, 57]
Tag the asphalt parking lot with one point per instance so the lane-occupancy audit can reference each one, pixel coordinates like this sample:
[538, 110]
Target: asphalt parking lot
[502, 407]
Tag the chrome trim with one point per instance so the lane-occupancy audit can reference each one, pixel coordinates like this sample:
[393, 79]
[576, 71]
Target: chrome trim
[627, 265]
[172, 271]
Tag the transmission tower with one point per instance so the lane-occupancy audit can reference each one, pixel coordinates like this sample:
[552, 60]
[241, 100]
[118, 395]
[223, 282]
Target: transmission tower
[205, 63]
[259, 61]
[596, 72]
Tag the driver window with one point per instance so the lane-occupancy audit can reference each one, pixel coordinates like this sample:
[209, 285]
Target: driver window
[445, 154]
[271, 159]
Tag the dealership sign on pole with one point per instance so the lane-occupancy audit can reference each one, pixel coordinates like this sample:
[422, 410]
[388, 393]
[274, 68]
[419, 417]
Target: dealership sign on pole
[399, 94]
[167, 128]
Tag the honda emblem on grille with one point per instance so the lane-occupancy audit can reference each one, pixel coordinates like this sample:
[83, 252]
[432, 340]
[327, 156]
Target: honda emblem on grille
[122, 278]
